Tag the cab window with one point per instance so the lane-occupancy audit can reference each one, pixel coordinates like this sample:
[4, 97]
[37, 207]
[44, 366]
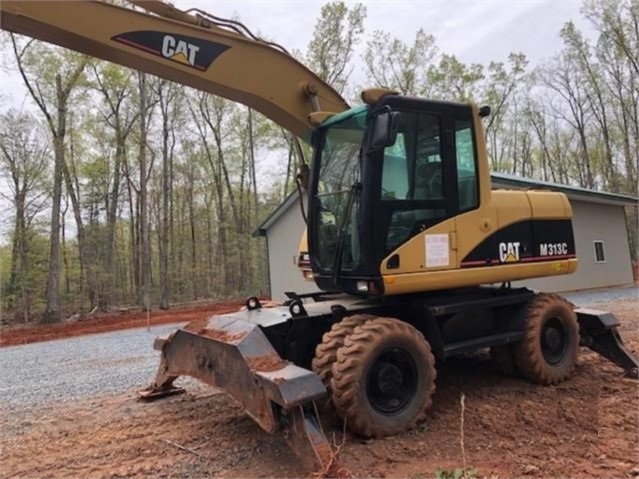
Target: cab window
[466, 167]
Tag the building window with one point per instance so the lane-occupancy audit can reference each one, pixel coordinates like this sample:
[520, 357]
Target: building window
[600, 256]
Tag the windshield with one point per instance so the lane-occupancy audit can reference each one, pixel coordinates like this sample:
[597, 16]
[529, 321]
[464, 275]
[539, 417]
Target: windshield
[337, 199]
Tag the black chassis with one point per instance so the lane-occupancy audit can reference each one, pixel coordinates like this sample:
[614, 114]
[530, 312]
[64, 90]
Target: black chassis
[453, 322]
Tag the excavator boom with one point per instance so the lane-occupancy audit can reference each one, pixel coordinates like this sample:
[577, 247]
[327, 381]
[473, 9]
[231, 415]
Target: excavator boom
[187, 49]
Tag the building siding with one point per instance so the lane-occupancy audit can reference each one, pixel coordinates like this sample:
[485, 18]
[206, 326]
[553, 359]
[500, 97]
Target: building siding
[594, 222]
[283, 243]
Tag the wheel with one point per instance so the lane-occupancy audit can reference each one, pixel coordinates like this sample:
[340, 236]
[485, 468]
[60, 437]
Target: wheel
[503, 358]
[326, 351]
[383, 378]
[548, 352]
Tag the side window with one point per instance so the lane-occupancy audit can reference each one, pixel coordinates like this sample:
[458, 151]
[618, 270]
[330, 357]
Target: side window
[429, 184]
[395, 176]
[466, 169]
[412, 176]
[413, 165]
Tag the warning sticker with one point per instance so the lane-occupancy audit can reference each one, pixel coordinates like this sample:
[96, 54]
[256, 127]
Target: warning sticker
[437, 250]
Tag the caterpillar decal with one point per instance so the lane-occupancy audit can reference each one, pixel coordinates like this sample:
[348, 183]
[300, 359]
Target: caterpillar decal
[525, 241]
[189, 51]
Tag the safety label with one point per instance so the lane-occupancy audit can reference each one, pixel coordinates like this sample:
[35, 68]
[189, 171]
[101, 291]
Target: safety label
[437, 250]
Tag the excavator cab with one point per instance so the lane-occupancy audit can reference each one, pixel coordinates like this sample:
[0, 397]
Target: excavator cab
[381, 175]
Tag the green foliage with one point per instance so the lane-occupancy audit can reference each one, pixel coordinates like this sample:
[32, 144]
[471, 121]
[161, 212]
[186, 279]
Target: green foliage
[22, 284]
[331, 50]
[396, 65]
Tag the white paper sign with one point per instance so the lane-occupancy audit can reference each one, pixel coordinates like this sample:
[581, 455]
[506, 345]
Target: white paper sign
[437, 250]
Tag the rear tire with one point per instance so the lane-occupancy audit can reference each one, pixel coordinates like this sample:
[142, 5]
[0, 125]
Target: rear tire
[548, 352]
[326, 351]
[384, 378]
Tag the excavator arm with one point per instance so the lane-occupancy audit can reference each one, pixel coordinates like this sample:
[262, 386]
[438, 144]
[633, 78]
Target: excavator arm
[185, 48]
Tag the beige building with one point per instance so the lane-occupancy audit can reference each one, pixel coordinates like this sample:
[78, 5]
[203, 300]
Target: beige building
[599, 223]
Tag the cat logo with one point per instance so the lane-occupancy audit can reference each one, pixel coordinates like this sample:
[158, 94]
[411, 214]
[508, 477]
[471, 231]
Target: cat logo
[509, 252]
[189, 51]
[179, 50]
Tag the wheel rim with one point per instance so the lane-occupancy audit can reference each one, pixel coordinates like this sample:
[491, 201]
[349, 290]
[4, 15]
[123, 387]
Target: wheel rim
[391, 381]
[554, 341]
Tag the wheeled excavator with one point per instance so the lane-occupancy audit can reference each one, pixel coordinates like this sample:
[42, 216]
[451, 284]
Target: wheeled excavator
[406, 240]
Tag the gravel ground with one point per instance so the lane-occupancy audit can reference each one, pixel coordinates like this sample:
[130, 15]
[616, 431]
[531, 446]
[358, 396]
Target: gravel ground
[72, 369]
[119, 362]
[588, 298]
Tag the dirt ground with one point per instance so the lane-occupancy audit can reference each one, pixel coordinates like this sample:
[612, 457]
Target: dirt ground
[104, 322]
[585, 428]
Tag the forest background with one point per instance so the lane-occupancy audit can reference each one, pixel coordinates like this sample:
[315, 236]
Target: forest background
[125, 189]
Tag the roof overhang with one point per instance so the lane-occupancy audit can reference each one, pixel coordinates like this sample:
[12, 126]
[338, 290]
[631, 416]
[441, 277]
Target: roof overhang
[503, 180]
[276, 213]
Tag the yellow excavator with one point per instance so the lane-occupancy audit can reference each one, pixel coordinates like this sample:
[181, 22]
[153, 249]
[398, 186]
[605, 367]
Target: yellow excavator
[404, 238]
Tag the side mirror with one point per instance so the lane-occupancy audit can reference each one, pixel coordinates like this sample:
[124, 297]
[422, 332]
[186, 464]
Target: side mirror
[383, 131]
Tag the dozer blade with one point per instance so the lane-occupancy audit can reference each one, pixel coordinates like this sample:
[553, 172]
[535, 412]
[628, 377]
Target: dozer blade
[598, 332]
[234, 355]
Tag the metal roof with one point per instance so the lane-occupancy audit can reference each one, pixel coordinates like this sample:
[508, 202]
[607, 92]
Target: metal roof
[504, 180]
[499, 181]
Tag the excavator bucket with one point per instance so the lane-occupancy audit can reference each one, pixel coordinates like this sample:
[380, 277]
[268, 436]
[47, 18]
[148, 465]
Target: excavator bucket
[233, 354]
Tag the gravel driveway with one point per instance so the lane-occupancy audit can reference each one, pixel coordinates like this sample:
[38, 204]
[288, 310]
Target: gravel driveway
[588, 298]
[40, 374]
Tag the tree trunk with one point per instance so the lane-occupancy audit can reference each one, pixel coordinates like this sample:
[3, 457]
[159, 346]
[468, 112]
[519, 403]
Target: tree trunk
[52, 295]
[145, 263]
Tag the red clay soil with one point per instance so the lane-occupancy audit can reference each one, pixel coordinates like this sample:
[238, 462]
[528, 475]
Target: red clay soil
[101, 323]
[266, 363]
[200, 327]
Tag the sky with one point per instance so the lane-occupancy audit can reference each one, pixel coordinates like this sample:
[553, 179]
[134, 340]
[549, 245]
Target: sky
[477, 31]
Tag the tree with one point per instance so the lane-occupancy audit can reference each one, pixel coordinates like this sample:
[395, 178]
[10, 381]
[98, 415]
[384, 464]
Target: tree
[393, 64]
[51, 75]
[330, 51]
[24, 160]
[115, 85]
[453, 80]
[168, 95]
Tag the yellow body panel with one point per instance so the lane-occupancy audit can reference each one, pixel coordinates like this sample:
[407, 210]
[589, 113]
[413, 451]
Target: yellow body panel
[458, 278]
[504, 208]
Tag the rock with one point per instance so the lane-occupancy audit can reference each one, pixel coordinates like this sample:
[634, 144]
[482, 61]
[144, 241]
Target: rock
[530, 469]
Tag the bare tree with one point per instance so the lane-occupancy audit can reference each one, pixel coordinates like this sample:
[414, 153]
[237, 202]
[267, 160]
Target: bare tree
[50, 76]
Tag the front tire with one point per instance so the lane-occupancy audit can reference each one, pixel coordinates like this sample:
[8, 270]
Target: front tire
[548, 352]
[383, 378]
[332, 340]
